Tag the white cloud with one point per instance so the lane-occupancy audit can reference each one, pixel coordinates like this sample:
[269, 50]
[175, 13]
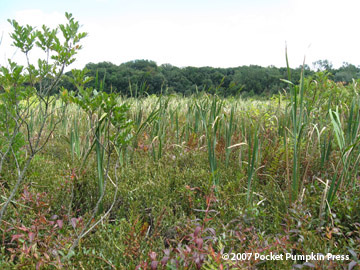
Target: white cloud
[37, 17]
[233, 34]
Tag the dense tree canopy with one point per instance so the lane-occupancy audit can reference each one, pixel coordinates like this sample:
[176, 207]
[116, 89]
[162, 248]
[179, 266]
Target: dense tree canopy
[138, 77]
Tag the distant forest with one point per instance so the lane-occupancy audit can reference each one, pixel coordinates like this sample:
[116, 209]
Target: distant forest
[139, 77]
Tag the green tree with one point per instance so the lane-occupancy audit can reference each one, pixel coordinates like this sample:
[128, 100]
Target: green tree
[346, 73]
[322, 65]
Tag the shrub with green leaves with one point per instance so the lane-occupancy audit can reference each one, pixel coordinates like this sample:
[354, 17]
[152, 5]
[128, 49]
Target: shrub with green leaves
[109, 125]
[27, 105]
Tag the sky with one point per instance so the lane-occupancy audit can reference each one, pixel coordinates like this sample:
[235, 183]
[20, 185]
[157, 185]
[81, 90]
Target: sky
[217, 33]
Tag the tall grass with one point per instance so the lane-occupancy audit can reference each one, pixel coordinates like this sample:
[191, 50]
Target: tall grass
[253, 157]
[208, 121]
[348, 140]
[229, 129]
[297, 93]
[210, 114]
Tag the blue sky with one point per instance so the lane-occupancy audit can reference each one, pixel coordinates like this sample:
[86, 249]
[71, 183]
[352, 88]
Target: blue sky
[218, 33]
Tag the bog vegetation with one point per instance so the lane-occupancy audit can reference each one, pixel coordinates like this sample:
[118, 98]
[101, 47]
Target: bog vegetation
[91, 179]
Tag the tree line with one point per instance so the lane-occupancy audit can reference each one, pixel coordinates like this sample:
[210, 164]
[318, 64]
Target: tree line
[139, 77]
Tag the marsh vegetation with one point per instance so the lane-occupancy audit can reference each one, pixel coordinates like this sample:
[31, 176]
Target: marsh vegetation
[91, 179]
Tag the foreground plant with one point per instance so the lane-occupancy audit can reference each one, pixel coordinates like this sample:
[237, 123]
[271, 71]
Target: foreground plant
[35, 236]
[297, 105]
[109, 125]
[28, 99]
[348, 141]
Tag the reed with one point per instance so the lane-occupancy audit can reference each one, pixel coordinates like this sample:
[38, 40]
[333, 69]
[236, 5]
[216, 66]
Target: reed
[229, 129]
[348, 142]
[209, 110]
[252, 160]
[297, 93]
